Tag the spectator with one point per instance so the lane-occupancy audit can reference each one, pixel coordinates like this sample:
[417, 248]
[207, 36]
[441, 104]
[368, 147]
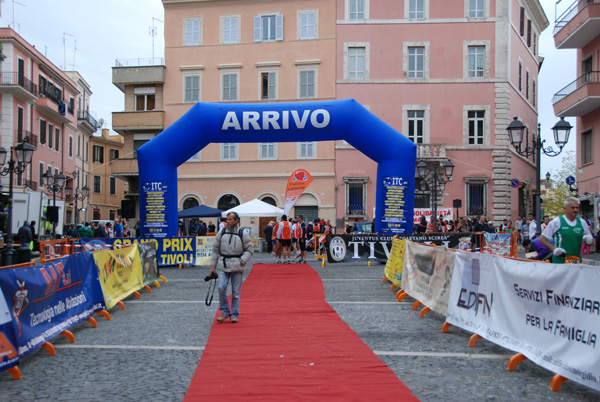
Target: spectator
[100, 231]
[118, 229]
[25, 236]
[85, 232]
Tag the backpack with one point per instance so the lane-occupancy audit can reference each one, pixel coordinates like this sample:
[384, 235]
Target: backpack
[240, 233]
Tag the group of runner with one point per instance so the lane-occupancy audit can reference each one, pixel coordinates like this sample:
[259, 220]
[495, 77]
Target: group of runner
[290, 238]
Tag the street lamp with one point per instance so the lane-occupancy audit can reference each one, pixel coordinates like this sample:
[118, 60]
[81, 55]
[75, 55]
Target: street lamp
[79, 195]
[54, 184]
[24, 152]
[561, 131]
[436, 181]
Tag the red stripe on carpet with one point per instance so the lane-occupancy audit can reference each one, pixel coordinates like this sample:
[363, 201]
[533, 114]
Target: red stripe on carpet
[289, 343]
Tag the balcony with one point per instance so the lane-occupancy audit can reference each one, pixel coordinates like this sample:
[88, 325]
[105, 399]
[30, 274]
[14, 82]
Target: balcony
[18, 85]
[124, 167]
[31, 184]
[431, 152]
[138, 71]
[87, 120]
[580, 97]
[578, 25]
[152, 120]
[21, 135]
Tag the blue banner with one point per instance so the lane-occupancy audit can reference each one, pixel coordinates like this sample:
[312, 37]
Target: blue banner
[45, 300]
[169, 251]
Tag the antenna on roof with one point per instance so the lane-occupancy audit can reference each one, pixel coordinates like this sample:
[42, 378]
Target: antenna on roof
[65, 48]
[153, 33]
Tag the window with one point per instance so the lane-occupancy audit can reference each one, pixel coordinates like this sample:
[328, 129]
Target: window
[136, 145]
[356, 9]
[50, 131]
[112, 185]
[356, 196]
[416, 62]
[416, 123]
[267, 150]
[528, 33]
[229, 151]
[533, 93]
[195, 157]
[526, 84]
[476, 61]
[268, 85]
[520, 76]
[230, 87]
[192, 89]
[71, 146]
[307, 83]
[97, 184]
[71, 105]
[56, 138]
[268, 28]
[476, 9]
[192, 33]
[98, 154]
[416, 9]
[356, 62]
[228, 201]
[307, 25]
[113, 154]
[42, 131]
[476, 123]
[476, 198]
[522, 22]
[306, 150]
[87, 151]
[41, 174]
[534, 44]
[144, 102]
[587, 150]
[230, 29]
[78, 144]
[96, 214]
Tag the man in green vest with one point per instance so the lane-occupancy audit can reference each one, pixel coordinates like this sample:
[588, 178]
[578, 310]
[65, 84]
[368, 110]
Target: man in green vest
[568, 232]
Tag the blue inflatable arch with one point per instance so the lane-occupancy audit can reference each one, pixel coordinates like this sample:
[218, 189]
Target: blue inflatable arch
[207, 123]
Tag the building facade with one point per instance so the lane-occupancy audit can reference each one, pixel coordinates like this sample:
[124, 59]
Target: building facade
[579, 28]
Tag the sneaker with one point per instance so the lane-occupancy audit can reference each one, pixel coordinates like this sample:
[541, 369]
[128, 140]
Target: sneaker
[234, 319]
[222, 318]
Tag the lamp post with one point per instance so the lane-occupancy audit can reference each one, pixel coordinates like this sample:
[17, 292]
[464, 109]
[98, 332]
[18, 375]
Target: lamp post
[561, 130]
[24, 152]
[54, 184]
[436, 180]
[79, 195]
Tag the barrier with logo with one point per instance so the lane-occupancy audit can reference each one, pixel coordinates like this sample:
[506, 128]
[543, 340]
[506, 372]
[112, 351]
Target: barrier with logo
[120, 273]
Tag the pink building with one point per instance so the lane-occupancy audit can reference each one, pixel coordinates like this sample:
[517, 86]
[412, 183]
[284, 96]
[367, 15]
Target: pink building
[578, 28]
[450, 75]
[44, 105]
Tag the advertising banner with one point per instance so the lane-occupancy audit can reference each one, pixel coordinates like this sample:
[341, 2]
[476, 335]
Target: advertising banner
[548, 312]
[353, 247]
[445, 213]
[427, 275]
[120, 273]
[149, 263]
[204, 245]
[498, 243]
[169, 251]
[43, 301]
[393, 266]
[297, 183]
[394, 219]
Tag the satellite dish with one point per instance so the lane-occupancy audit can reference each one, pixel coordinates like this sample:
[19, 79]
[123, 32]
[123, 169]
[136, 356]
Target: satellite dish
[100, 123]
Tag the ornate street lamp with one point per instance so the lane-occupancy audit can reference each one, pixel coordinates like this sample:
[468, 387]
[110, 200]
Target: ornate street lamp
[79, 195]
[54, 184]
[561, 131]
[436, 181]
[24, 153]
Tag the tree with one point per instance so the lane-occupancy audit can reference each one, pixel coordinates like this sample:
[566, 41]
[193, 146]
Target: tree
[555, 197]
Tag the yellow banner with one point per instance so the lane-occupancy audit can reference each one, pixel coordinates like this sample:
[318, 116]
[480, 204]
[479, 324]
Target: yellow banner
[204, 245]
[120, 273]
[393, 266]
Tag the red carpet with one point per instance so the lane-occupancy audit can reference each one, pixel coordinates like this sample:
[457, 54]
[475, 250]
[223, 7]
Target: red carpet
[289, 343]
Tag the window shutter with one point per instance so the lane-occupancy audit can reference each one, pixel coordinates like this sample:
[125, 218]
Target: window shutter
[226, 30]
[257, 29]
[233, 87]
[304, 26]
[272, 87]
[233, 30]
[312, 26]
[279, 27]
[226, 87]
[310, 82]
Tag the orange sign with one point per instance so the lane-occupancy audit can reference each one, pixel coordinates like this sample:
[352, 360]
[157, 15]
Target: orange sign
[297, 183]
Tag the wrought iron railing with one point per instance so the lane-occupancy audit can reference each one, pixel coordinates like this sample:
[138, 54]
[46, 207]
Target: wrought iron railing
[570, 13]
[586, 78]
[14, 78]
[21, 135]
[149, 61]
[85, 115]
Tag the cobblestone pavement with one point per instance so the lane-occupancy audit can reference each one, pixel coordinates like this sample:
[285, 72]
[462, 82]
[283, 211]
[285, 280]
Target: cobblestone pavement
[150, 350]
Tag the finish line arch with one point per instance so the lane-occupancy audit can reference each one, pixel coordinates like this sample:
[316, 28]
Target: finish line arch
[207, 123]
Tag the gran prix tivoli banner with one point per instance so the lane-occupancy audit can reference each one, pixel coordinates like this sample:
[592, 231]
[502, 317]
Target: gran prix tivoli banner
[548, 312]
[40, 302]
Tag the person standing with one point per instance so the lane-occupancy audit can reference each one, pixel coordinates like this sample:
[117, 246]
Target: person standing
[118, 229]
[25, 236]
[231, 251]
[100, 231]
[568, 233]
[532, 226]
[284, 234]
[211, 227]
[85, 232]
[268, 231]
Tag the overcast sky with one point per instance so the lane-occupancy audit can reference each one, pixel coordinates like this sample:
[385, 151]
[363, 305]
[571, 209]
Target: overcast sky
[88, 36]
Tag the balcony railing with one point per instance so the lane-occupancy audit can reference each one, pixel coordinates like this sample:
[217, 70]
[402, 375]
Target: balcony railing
[589, 77]
[157, 61]
[85, 115]
[51, 93]
[570, 13]
[21, 135]
[14, 78]
[31, 184]
[425, 151]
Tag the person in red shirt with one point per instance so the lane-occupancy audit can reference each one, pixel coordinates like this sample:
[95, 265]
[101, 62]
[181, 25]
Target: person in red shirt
[284, 234]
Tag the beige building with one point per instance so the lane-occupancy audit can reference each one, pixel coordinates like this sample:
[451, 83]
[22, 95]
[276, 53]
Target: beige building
[105, 190]
[247, 51]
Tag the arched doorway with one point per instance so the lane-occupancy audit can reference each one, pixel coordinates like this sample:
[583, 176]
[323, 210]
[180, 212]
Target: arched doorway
[228, 201]
[190, 202]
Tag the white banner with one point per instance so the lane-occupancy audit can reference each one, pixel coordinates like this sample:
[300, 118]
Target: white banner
[445, 213]
[548, 312]
[427, 274]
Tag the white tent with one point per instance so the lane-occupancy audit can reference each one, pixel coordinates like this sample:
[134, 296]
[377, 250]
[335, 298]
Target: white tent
[255, 208]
